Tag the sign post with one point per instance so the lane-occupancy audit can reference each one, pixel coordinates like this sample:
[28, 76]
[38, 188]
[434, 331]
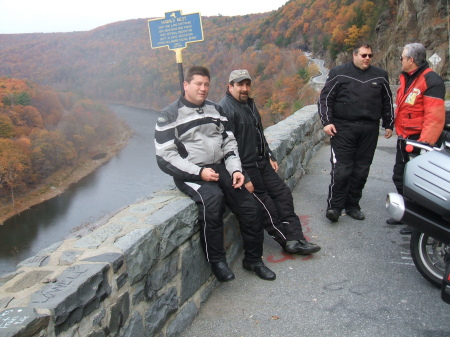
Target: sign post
[175, 30]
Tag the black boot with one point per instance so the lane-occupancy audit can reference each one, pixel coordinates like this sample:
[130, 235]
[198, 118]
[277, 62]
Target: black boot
[301, 247]
[393, 222]
[355, 214]
[222, 272]
[260, 269]
[333, 214]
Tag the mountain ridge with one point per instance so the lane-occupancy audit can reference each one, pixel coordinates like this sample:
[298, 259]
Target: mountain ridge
[115, 62]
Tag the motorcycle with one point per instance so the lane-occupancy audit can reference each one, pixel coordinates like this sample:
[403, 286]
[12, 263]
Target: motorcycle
[425, 206]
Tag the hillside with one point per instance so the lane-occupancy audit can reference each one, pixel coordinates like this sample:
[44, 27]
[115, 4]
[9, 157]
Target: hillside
[115, 62]
[426, 22]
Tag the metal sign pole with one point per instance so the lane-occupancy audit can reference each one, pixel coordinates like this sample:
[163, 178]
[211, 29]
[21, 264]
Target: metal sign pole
[180, 69]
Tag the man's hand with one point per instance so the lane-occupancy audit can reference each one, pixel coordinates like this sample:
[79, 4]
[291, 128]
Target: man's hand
[238, 179]
[330, 129]
[249, 186]
[388, 133]
[274, 165]
[208, 174]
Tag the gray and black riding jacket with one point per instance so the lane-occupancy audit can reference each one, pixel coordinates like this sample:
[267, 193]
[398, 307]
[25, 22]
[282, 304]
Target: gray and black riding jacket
[189, 137]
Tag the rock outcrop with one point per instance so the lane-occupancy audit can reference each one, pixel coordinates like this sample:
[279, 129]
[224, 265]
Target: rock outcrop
[423, 21]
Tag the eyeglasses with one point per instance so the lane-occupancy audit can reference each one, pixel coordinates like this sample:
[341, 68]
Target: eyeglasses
[366, 55]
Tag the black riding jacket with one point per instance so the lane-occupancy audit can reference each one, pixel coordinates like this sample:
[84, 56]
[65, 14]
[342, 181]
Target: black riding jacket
[353, 94]
[244, 121]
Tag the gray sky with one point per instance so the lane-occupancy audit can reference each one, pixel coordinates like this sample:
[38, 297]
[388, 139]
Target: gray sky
[47, 16]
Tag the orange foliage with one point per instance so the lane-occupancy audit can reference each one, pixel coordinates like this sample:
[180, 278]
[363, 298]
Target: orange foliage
[115, 62]
[29, 152]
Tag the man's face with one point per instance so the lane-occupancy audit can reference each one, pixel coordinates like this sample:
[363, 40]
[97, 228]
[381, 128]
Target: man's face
[240, 90]
[407, 62]
[363, 58]
[196, 90]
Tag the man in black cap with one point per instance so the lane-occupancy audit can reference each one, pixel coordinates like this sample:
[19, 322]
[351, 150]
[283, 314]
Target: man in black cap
[260, 165]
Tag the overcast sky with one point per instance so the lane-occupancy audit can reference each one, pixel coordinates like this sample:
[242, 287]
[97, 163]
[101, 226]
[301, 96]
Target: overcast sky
[47, 16]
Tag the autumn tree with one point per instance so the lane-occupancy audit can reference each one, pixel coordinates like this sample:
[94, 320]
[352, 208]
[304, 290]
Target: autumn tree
[50, 152]
[14, 162]
[6, 127]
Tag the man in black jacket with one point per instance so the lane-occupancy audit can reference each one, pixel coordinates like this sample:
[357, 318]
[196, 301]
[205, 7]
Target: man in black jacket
[260, 165]
[354, 98]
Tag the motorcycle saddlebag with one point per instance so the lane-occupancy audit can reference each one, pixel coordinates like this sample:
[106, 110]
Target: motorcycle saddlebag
[427, 181]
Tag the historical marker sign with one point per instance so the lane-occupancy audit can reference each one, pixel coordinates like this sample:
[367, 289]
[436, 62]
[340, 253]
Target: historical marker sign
[175, 30]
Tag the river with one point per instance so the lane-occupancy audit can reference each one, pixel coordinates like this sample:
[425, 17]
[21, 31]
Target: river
[129, 177]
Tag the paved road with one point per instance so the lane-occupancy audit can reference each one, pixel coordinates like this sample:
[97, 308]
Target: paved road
[320, 79]
[362, 283]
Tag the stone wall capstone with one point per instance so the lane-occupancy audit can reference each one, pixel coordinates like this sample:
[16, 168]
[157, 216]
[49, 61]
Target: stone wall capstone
[143, 272]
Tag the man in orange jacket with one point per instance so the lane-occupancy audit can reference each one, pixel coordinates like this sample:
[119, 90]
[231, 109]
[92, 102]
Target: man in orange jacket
[420, 112]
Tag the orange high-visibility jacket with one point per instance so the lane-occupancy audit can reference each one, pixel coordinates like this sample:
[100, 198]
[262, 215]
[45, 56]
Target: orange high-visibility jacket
[421, 107]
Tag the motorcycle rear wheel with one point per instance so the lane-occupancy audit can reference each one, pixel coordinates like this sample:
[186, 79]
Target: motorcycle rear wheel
[428, 256]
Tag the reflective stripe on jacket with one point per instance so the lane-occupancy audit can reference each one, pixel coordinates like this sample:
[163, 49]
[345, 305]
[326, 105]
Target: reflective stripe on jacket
[189, 137]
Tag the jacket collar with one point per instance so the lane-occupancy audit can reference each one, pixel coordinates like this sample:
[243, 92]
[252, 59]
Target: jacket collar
[416, 73]
[359, 69]
[409, 79]
[191, 105]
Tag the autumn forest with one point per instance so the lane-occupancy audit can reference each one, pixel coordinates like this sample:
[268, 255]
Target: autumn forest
[115, 62]
[50, 83]
[42, 132]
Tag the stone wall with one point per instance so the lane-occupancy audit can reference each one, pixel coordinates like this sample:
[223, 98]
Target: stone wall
[143, 272]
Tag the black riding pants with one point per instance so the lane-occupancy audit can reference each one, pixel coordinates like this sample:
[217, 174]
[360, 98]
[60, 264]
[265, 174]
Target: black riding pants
[211, 198]
[275, 197]
[401, 158]
[352, 150]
